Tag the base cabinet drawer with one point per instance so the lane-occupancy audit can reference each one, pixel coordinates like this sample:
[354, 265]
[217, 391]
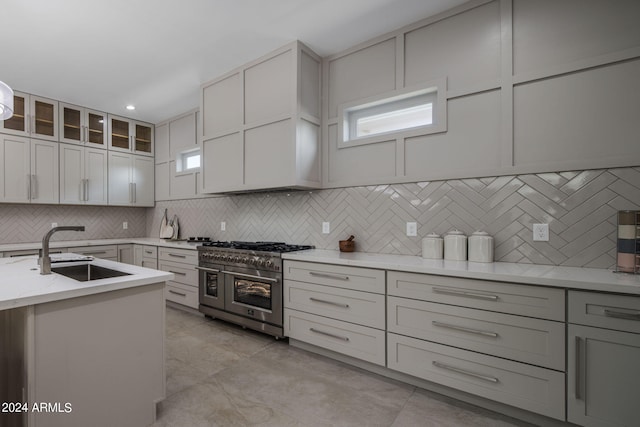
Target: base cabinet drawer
[186, 256]
[524, 386]
[182, 294]
[357, 341]
[523, 339]
[362, 308]
[185, 274]
[109, 252]
[356, 278]
[149, 263]
[522, 300]
[610, 311]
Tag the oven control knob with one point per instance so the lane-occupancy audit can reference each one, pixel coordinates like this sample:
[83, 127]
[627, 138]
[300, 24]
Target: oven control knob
[224, 258]
[269, 264]
[260, 262]
[236, 259]
[245, 260]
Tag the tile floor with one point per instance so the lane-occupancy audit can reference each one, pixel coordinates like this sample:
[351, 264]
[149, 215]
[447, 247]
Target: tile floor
[221, 375]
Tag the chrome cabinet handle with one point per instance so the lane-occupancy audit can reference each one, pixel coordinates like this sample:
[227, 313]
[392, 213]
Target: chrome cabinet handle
[621, 315]
[28, 187]
[93, 252]
[148, 252]
[176, 255]
[329, 276]
[81, 190]
[34, 186]
[178, 293]
[86, 189]
[465, 372]
[578, 371]
[464, 329]
[211, 270]
[130, 194]
[177, 272]
[466, 294]
[135, 193]
[337, 304]
[250, 276]
[329, 334]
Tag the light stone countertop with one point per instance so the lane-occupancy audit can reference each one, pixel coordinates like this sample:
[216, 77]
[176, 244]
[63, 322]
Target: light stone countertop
[96, 242]
[594, 279]
[21, 283]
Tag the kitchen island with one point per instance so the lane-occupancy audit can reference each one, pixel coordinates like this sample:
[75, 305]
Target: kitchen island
[77, 353]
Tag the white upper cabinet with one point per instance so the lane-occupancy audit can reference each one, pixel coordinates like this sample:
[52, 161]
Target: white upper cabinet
[80, 125]
[83, 175]
[33, 116]
[29, 170]
[130, 180]
[130, 136]
[261, 124]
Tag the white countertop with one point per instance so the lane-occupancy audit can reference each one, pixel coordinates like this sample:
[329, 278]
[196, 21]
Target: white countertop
[21, 283]
[181, 244]
[547, 275]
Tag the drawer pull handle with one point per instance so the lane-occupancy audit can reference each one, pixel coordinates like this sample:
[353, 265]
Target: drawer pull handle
[178, 293]
[463, 329]
[578, 373]
[211, 270]
[176, 255]
[329, 302]
[177, 272]
[329, 276]
[317, 331]
[148, 252]
[621, 315]
[94, 252]
[465, 294]
[465, 372]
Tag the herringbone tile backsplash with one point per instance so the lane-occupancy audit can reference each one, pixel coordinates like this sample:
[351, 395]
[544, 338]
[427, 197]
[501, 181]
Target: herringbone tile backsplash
[580, 208]
[29, 223]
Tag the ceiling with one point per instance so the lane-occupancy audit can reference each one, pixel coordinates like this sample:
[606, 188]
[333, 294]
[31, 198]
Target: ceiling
[154, 54]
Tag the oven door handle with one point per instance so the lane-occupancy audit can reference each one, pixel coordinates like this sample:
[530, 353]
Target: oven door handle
[212, 270]
[249, 276]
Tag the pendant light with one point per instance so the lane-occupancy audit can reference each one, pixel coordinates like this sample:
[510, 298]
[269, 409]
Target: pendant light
[6, 101]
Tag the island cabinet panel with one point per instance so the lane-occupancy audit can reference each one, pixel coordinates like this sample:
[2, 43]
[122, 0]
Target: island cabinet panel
[524, 386]
[603, 350]
[102, 354]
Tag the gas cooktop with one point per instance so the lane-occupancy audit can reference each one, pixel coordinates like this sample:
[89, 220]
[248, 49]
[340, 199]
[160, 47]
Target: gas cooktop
[280, 247]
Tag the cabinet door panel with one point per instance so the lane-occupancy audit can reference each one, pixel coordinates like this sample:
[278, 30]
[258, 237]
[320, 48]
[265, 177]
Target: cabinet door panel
[221, 106]
[603, 377]
[119, 179]
[269, 88]
[269, 155]
[15, 169]
[71, 124]
[18, 123]
[44, 118]
[143, 169]
[96, 175]
[162, 181]
[71, 174]
[119, 134]
[44, 168]
[95, 123]
[143, 139]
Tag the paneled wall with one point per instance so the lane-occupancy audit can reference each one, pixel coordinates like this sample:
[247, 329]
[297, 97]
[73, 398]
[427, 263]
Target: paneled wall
[532, 86]
[29, 223]
[579, 206]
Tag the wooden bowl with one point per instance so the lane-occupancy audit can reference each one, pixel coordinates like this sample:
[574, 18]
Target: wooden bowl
[347, 245]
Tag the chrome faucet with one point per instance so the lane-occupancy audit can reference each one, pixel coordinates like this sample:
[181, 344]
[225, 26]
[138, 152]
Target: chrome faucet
[45, 259]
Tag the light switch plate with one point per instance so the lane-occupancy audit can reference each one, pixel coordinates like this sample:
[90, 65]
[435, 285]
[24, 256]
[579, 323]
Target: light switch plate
[326, 229]
[223, 226]
[125, 225]
[54, 224]
[412, 229]
[540, 232]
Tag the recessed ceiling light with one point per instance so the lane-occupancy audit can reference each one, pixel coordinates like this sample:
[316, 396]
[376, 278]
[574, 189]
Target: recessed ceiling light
[131, 107]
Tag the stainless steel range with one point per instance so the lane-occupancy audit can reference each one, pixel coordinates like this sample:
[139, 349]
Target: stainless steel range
[241, 282]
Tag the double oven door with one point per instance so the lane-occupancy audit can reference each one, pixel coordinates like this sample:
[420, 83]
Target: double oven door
[251, 293]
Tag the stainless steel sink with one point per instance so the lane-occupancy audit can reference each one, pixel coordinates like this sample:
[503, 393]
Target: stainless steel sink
[86, 272]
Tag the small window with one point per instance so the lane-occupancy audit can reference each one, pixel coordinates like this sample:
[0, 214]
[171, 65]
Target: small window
[188, 160]
[416, 110]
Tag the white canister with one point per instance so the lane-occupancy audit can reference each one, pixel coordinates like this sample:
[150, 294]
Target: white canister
[480, 247]
[455, 246]
[432, 246]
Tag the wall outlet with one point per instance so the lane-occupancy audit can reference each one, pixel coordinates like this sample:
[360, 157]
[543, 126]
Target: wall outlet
[54, 224]
[326, 229]
[223, 225]
[540, 232]
[125, 225]
[412, 229]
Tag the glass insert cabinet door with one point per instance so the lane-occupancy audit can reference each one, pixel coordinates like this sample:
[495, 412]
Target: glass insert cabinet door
[33, 116]
[82, 126]
[119, 134]
[144, 139]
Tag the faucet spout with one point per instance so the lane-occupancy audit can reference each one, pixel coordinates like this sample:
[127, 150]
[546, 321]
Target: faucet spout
[45, 259]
